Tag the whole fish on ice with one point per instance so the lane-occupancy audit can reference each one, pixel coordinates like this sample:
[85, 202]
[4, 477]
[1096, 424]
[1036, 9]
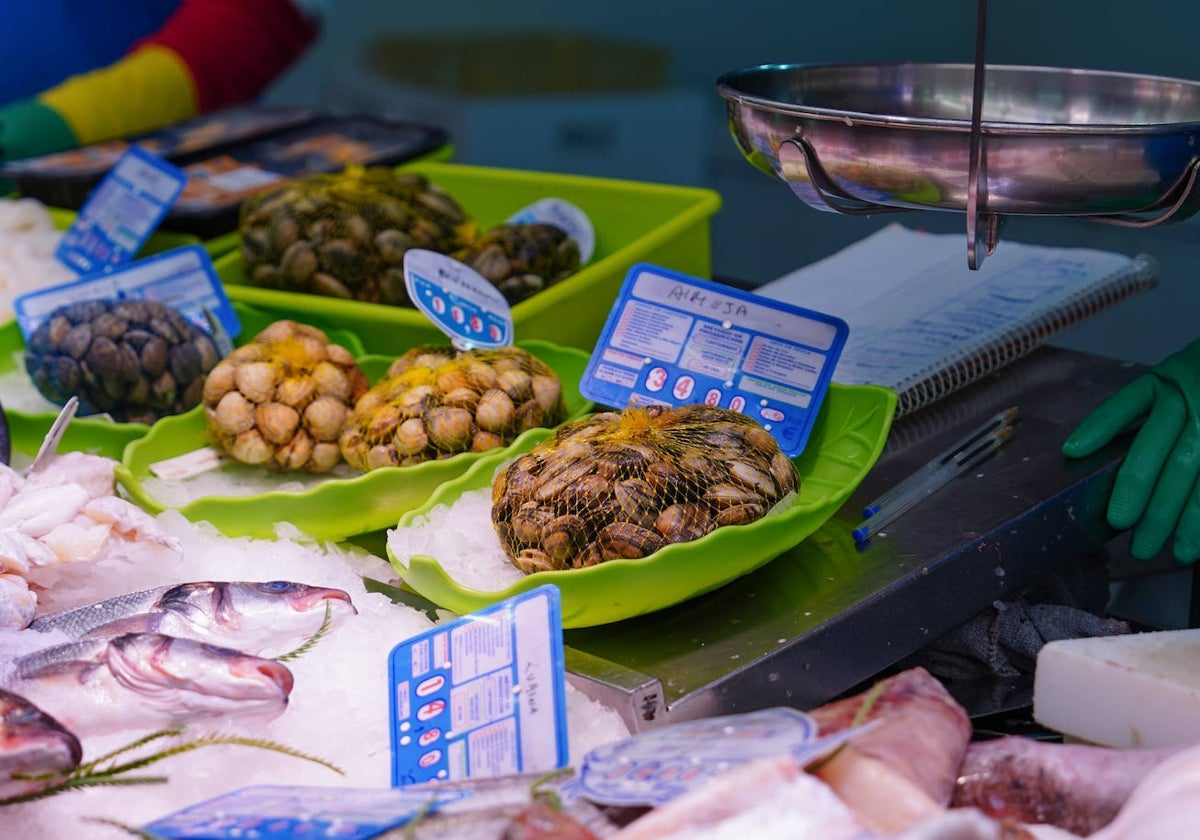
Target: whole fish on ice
[149, 681]
[262, 618]
[32, 743]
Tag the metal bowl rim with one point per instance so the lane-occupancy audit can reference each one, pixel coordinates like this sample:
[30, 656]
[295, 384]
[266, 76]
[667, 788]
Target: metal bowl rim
[727, 89]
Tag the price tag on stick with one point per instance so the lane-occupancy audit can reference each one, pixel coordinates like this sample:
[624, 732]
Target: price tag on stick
[459, 300]
[671, 339]
[483, 695]
[121, 212]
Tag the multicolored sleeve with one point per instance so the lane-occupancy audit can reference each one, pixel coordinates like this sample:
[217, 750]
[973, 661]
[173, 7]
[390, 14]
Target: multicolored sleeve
[209, 54]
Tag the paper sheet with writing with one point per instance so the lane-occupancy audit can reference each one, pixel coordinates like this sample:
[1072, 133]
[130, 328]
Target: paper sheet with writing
[914, 306]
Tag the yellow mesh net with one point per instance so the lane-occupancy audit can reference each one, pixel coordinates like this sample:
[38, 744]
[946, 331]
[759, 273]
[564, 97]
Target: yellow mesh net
[435, 402]
[624, 484]
[345, 235]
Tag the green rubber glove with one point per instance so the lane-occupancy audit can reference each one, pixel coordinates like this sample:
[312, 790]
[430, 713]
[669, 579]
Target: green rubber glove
[1155, 491]
[29, 127]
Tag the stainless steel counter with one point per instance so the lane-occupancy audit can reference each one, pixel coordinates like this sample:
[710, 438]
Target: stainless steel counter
[828, 615]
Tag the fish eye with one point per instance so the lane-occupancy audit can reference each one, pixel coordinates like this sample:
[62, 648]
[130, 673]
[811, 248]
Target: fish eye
[23, 716]
[218, 650]
[277, 585]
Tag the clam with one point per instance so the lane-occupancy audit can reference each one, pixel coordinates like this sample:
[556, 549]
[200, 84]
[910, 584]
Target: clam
[276, 422]
[628, 541]
[410, 437]
[684, 522]
[562, 537]
[495, 411]
[449, 428]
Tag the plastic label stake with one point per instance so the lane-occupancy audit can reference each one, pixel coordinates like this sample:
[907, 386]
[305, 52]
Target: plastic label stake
[671, 339]
[295, 812]
[482, 695]
[121, 212]
[182, 278]
[458, 300]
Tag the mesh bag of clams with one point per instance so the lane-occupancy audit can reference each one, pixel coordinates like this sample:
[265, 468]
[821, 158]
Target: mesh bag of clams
[281, 399]
[624, 484]
[521, 260]
[345, 234]
[136, 360]
[436, 401]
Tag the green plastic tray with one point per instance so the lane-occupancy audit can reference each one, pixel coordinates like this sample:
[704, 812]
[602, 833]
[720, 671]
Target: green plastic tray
[634, 222]
[100, 435]
[340, 507]
[846, 441]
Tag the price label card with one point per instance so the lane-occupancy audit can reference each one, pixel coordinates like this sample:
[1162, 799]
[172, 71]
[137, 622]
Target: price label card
[482, 695]
[121, 212]
[273, 812]
[565, 216]
[182, 277]
[671, 339]
[460, 301]
[656, 766]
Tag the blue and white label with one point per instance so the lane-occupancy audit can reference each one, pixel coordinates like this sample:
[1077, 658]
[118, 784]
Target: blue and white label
[656, 766]
[182, 278]
[121, 212]
[671, 339]
[459, 300]
[274, 812]
[482, 695]
[566, 217]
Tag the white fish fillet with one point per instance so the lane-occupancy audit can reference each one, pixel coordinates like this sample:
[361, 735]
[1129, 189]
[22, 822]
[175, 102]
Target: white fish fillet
[1165, 804]
[18, 603]
[762, 799]
[94, 473]
[37, 509]
[972, 824]
[903, 769]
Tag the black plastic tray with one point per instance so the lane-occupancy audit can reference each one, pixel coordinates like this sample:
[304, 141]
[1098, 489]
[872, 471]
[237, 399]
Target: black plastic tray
[64, 179]
[231, 154]
[217, 185]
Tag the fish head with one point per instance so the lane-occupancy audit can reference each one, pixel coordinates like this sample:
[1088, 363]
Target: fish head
[250, 615]
[299, 597]
[199, 603]
[32, 743]
[190, 679]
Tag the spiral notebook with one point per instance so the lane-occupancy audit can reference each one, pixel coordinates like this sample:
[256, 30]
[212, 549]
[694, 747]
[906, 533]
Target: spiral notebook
[925, 325]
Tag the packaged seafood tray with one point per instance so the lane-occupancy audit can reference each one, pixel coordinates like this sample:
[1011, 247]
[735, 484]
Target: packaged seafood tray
[64, 179]
[230, 155]
[633, 222]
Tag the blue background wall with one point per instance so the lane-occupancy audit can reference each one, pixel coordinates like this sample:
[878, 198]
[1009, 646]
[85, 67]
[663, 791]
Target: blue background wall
[762, 230]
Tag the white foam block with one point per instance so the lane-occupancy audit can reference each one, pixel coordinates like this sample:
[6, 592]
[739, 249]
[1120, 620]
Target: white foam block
[1138, 690]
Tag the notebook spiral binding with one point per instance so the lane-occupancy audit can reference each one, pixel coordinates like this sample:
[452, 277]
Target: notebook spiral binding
[956, 372]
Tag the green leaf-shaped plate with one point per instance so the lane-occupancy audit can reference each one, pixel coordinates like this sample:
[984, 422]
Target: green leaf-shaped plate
[846, 441]
[334, 509]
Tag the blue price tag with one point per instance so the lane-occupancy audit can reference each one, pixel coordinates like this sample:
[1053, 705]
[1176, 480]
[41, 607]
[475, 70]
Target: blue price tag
[121, 212]
[274, 812]
[182, 277]
[654, 767]
[671, 339]
[460, 301]
[482, 695]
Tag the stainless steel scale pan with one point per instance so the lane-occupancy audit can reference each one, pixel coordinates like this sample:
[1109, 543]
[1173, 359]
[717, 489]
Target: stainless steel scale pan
[864, 138]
